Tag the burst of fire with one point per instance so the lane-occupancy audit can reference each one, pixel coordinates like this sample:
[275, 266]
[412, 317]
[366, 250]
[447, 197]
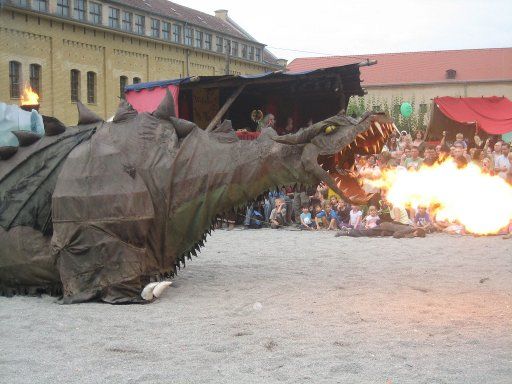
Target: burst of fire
[29, 97]
[480, 202]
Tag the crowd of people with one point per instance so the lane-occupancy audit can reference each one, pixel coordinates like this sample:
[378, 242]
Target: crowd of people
[322, 209]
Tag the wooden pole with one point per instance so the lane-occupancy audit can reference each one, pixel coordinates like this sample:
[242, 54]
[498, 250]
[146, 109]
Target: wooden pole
[224, 108]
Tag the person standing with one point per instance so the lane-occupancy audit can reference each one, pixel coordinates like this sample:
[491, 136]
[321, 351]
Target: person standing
[502, 163]
[269, 121]
[415, 160]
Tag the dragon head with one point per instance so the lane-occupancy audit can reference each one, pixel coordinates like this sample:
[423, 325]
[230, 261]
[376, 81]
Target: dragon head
[330, 146]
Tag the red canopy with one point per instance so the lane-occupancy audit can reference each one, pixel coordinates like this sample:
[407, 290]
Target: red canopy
[490, 114]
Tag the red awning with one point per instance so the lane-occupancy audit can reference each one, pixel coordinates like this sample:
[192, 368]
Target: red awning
[490, 114]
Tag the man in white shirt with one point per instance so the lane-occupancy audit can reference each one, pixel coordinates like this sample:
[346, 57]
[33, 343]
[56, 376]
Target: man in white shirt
[502, 163]
[497, 151]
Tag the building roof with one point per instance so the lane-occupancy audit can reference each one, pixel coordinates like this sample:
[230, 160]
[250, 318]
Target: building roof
[348, 74]
[268, 57]
[493, 64]
[185, 14]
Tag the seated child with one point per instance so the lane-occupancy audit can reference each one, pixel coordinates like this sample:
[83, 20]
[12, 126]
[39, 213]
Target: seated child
[333, 219]
[372, 219]
[422, 219]
[320, 217]
[343, 210]
[305, 219]
[278, 214]
[355, 217]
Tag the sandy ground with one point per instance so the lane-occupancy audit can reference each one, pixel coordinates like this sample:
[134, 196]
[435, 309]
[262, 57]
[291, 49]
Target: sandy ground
[268, 306]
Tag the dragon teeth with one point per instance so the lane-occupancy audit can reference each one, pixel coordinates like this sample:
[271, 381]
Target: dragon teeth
[379, 128]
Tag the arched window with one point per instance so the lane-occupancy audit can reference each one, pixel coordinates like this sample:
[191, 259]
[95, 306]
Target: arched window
[75, 85]
[15, 79]
[123, 82]
[136, 80]
[91, 87]
[35, 78]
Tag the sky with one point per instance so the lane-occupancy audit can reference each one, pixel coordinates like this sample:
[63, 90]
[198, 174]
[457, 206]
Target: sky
[325, 28]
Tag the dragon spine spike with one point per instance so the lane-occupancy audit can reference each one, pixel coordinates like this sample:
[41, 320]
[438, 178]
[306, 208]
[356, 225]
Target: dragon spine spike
[165, 110]
[86, 116]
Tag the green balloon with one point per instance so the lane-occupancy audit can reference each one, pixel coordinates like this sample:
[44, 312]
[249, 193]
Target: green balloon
[406, 109]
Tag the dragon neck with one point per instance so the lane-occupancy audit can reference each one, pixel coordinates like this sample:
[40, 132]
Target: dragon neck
[228, 176]
[264, 165]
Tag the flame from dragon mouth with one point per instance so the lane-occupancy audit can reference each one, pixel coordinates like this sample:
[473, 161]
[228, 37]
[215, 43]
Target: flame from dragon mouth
[340, 166]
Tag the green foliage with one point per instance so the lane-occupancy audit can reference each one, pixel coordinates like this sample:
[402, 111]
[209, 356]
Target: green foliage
[416, 121]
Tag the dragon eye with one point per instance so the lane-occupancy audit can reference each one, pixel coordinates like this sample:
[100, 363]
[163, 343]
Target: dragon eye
[330, 129]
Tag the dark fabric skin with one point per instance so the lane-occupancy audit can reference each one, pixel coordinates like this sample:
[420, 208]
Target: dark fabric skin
[132, 201]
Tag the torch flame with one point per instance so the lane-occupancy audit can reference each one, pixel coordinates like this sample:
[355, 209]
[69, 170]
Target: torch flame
[479, 201]
[29, 97]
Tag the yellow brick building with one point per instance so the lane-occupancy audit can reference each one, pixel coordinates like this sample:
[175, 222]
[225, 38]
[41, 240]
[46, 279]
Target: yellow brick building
[89, 50]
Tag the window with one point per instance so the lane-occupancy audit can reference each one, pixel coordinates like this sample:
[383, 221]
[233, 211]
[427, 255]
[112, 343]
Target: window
[113, 18]
[21, 3]
[423, 108]
[35, 78]
[451, 73]
[123, 82]
[155, 27]
[176, 33]
[188, 36]
[15, 79]
[79, 10]
[136, 80]
[234, 48]
[166, 27]
[251, 53]
[199, 39]
[220, 44]
[40, 5]
[208, 41]
[140, 25]
[258, 54]
[127, 21]
[91, 87]
[95, 13]
[75, 85]
[244, 51]
[63, 8]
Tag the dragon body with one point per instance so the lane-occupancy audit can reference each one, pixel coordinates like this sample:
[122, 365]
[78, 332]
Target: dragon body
[104, 208]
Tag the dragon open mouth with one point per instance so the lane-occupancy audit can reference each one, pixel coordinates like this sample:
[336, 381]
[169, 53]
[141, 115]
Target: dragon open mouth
[341, 166]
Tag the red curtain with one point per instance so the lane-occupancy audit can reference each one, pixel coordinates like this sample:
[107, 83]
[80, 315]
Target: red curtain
[490, 114]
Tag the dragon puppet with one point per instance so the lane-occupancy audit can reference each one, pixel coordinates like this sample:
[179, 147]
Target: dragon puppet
[103, 209]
